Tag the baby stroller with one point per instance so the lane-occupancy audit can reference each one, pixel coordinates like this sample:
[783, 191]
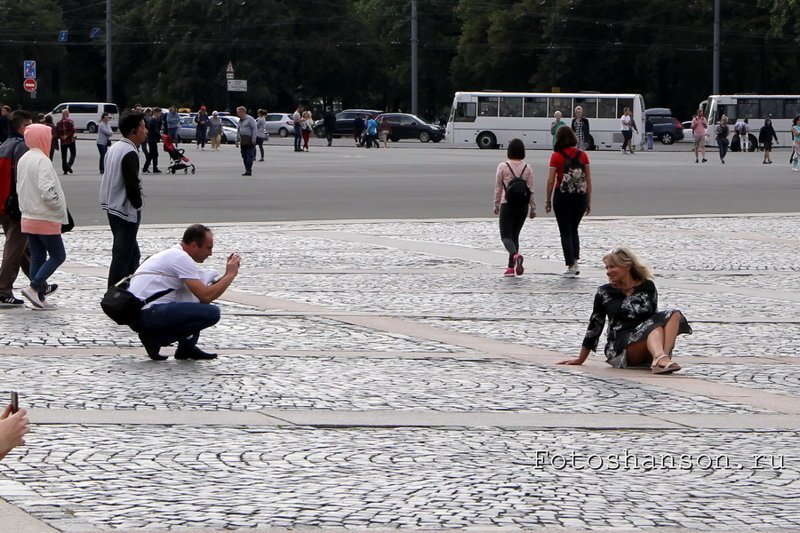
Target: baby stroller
[177, 161]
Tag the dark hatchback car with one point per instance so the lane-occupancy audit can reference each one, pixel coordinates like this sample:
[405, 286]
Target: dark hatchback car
[407, 126]
[345, 121]
[666, 128]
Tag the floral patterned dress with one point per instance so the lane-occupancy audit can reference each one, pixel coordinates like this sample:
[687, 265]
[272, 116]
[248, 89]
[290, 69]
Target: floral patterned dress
[630, 319]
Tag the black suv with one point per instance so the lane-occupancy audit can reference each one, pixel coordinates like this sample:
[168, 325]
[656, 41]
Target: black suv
[666, 128]
[345, 122]
[407, 126]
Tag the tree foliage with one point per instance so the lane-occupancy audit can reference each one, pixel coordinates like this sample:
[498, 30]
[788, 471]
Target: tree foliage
[357, 52]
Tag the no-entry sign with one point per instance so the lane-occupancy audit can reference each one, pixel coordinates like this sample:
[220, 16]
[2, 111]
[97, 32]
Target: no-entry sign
[29, 85]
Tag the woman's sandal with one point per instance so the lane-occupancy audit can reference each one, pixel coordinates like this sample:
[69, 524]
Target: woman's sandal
[669, 369]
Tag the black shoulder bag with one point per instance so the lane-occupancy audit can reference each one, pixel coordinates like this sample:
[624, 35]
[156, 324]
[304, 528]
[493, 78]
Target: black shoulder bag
[122, 306]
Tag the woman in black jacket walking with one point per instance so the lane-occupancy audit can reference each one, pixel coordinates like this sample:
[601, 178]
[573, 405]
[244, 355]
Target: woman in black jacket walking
[765, 137]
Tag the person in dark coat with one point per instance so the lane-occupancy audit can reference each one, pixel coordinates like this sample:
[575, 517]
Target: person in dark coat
[329, 119]
[765, 137]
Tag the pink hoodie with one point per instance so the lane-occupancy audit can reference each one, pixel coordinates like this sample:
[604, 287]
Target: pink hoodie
[39, 136]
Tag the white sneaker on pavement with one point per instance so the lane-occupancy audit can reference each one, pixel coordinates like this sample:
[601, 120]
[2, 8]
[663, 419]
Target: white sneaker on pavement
[33, 297]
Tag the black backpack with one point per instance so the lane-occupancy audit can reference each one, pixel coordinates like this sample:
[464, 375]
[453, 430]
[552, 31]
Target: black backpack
[517, 191]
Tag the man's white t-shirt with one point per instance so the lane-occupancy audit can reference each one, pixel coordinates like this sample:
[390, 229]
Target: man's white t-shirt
[625, 122]
[165, 270]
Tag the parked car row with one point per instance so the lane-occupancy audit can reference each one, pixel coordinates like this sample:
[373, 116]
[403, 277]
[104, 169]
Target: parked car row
[400, 125]
[187, 130]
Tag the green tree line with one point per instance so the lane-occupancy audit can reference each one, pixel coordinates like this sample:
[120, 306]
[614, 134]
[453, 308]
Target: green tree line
[357, 52]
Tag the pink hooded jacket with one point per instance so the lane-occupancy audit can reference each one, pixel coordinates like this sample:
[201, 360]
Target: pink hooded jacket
[39, 136]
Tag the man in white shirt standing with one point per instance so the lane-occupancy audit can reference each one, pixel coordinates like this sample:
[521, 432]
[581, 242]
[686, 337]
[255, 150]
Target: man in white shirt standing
[172, 317]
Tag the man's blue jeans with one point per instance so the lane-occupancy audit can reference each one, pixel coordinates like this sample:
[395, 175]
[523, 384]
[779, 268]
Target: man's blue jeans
[298, 138]
[179, 322]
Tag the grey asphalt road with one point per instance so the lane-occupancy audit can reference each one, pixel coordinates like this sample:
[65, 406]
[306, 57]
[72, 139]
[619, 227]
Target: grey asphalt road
[412, 180]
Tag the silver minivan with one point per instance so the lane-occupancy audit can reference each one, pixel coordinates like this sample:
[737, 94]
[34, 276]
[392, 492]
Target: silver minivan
[86, 115]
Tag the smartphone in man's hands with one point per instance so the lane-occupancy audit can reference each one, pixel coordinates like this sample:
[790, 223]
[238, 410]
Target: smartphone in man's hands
[14, 402]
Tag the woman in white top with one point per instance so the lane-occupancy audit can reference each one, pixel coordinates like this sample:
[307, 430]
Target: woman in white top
[305, 126]
[627, 126]
[44, 211]
[514, 202]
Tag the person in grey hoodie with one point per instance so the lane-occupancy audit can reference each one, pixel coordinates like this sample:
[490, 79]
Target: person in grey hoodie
[104, 133]
[121, 196]
[173, 123]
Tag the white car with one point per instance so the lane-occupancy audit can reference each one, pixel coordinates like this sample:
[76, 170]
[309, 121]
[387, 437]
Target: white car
[688, 136]
[279, 124]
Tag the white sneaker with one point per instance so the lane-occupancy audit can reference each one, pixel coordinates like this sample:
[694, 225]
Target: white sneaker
[568, 273]
[33, 297]
[575, 268]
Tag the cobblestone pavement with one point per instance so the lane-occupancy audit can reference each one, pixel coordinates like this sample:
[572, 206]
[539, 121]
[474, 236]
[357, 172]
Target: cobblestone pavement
[413, 319]
[239, 477]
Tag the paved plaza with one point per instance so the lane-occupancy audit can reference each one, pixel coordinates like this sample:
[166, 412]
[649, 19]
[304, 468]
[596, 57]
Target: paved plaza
[384, 375]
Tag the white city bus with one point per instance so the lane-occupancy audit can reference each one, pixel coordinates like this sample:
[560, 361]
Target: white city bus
[491, 119]
[780, 108]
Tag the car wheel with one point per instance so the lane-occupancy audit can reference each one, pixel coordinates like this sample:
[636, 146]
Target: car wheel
[486, 140]
[394, 139]
[91, 127]
[320, 132]
[283, 132]
[223, 139]
[424, 136]
[667, 138]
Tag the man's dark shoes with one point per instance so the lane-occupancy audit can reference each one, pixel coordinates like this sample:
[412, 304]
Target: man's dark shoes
[51, 288]
[152, 348]
[194, 353]
[10, 301]
[247, 174]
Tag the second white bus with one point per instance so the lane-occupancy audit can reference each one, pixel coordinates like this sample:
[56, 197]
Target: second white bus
[779, 108]
[491, 119]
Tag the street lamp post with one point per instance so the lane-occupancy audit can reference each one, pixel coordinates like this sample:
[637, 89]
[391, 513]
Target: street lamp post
[715, 81]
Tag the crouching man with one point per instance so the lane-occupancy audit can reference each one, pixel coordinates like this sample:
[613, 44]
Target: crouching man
[176, 316]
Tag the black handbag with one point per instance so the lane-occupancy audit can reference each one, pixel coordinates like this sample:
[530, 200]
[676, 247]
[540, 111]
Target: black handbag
[122, 306]
[70, 225]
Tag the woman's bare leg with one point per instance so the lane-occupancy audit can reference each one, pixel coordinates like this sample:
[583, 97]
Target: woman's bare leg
[671, 332]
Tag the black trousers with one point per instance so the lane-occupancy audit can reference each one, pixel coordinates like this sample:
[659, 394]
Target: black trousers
[569, 209]
[512, 218]
[151, 155]
[125, 250]
[66, 165]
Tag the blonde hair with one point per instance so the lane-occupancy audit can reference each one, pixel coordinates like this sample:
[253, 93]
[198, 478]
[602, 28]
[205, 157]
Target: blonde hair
[625, 257]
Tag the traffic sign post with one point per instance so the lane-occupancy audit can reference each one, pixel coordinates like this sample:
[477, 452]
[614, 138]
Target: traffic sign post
[237, 86]
[29, 69]
[30, 85]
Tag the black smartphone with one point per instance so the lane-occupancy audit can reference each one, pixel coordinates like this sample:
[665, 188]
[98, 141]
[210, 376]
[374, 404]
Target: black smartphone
[14, 402]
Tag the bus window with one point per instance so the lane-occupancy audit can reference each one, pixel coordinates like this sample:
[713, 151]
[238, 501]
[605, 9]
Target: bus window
[791, 107]
[511, 106]
[622, 103]
[771, 108]
[465, 112]
[727, 109]
[535, 106]
[748, 108]
[589, 106]
[487, 106]
[607, 108]
[560, 104]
